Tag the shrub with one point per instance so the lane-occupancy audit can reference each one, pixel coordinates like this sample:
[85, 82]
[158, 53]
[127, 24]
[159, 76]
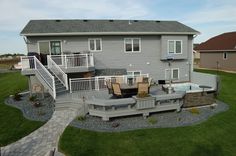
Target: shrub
[179, 119]
[194, 111]
[81, 118]
[32, 98]
[152, 120]
[41, 113]
[17, 96]
[37, 104]
[115, 124]
[212, 106]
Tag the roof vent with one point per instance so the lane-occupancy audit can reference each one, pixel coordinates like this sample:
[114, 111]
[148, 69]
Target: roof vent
[135, 20]
[85, 20]
[111, 20]
[58, 20]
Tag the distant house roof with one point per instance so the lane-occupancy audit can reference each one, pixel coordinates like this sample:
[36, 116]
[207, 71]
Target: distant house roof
[104, 27]
[226, 41]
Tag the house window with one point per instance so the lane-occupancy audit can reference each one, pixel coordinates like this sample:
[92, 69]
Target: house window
[174, 46]
[225, 55]
[174, 74]
[55, 47]
[134, 73]
[95, 44]
[132, 44]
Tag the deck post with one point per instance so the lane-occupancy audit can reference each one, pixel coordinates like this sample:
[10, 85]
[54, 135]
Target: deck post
[87, 63]
[70, 85]
[65, 61]
[35, 63]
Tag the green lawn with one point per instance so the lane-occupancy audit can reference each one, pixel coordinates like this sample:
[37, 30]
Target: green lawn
[215, 137]
[13, 125]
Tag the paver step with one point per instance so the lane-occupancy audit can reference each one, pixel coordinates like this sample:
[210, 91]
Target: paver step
[62, 92]
[58, 89]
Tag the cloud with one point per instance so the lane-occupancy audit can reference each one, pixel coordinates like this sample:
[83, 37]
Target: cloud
[15, 14]
[213, 12]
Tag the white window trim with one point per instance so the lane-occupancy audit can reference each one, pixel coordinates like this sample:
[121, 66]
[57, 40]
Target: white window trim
[95, 45]
[224, 55]
[133, 71]
[49, 45]
[172, 69]
[132, 44]
[173, 74]
[175, 46]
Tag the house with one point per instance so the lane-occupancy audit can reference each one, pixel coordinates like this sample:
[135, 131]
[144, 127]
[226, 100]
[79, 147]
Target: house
[219, 52]
[83, 48]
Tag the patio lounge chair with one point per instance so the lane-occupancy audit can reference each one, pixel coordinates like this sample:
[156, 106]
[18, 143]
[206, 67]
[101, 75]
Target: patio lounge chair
[139, 79]
[116, 90]
[119, 80]
[149, 81]
[143, 88]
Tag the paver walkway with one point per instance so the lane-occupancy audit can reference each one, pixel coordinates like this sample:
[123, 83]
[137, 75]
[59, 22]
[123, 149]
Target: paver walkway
[43, 139]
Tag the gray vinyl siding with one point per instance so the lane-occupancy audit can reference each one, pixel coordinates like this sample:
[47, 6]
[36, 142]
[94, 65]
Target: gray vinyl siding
[149, 60]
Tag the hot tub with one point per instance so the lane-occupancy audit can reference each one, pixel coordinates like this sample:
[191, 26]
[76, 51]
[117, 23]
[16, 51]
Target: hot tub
[196, 95]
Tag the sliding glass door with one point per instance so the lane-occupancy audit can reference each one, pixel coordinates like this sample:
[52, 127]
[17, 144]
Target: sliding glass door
[50, 48]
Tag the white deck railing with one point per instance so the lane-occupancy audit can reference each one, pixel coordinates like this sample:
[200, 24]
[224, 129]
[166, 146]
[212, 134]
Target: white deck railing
[98, 82]
[44, 76]
[62, 76]
[73, 60]
[27, 62]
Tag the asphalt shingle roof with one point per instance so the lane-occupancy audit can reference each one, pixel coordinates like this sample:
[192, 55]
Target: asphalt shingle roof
[104, 26]
[225, 41]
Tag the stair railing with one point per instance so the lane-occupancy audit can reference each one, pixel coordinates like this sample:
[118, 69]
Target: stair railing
[62, 76]
[45, 77]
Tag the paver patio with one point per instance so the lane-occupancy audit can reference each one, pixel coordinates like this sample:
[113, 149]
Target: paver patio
[44, 139]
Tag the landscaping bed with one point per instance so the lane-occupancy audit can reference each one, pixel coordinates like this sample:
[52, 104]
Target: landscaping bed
[186, 117]
[33, 107]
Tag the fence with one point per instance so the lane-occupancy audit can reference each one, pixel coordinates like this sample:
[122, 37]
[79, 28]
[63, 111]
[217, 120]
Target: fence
[99, 82]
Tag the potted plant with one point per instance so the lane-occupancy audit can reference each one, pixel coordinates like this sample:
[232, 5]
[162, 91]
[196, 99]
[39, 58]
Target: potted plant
[144, 101]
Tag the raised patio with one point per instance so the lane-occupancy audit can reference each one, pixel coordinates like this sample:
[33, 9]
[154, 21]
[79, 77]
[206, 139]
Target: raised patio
[104, 105]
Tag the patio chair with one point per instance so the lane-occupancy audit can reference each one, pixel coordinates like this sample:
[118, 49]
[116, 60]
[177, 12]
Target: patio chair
[109, 87]
[139, 79]
[116, 90]
[119, 80]
[143, 88]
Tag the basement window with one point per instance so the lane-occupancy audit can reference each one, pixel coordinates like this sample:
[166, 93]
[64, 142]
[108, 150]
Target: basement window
[225, 56]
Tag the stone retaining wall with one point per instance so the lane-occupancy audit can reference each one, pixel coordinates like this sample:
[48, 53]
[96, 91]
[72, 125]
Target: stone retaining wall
[198, 99]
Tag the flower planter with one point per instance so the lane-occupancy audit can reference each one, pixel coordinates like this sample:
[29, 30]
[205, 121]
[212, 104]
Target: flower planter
[145, 103]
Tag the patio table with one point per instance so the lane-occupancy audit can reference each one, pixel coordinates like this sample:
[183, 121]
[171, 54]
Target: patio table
[203, 88]
[129, 90]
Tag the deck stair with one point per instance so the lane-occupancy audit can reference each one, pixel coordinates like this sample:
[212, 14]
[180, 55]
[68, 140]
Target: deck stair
[63, 103]
[60, 88]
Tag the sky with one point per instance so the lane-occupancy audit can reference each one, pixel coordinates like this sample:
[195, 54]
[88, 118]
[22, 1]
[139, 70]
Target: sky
[210, 17]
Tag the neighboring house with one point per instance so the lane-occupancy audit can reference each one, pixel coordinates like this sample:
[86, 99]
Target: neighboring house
[219, 52]
[118, 46]
[196, 56]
